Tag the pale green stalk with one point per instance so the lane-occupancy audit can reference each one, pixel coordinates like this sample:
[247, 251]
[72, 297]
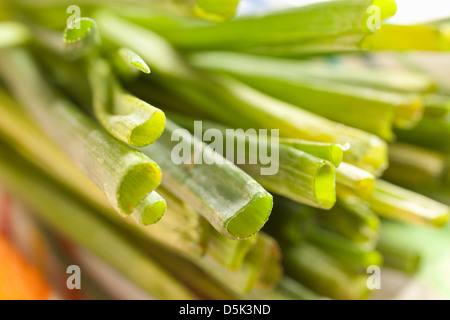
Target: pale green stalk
[345, 251]
[233, 103]
[415, 167]
[324, 274]
[415, 37]
[367, 108]
[124, 116]
[235, 204]
[359, 181]
[333, 153]
[299, 176]
[76, 221]
[320, 20]
[125, 175]
[393, 202]
[352, 219]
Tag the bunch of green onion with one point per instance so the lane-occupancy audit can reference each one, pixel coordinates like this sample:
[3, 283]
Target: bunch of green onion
[89, 108]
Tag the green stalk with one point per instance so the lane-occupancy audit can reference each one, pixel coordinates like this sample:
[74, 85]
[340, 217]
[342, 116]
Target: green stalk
[346, 43]
[20, 133]
[339, 69]
[23, 135]
[429, 63]
[352, 219]
[229, 253]
[125, 175]
[288, 81]
[235, 267]
[235, 104]
[76, 221]
[260, 268]
[182, 229]
[359, 181]
[226, 196]
[396, 203]
[189, 272]
[256, 262]
[207, 9]
[345, 251]
[12, 34]
[68, 76]
[126, 117]
[419, 37]
[252, 109]
[215, 10]
[155, 51]
[186, 232]
[415, 167]
[323, 274]
[290, 221]
[300, 176]
[321, 20]
[267, 254]
[366, 151]
[333, 153]
[433, 130]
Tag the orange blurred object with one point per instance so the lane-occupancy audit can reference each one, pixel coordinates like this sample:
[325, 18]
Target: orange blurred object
[18, 279]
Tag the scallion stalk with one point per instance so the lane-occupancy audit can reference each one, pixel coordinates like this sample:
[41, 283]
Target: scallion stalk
[76, 221]
[320, 20]
[240, 214]
[287, 80]
[393, 202]
[126, 176]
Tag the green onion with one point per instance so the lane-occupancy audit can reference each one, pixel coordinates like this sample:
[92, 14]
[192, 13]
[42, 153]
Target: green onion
[235, 104]
[415, 167]
[433, 130]
[261, 267]
[300, 176]
[227, 197]
[287, 80]
[229, 253]
[420, 37]
[366, 151]
[323, 274]
[125, 175]
[126, 117]
[396, 203]
[353, 178]
[342, 69]
[74, 220]
[216, 10]
[333, 153]
[290, 221]
[21, 133]
[314, 21]
[133, 59]
[344, 250]
[352, 219]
